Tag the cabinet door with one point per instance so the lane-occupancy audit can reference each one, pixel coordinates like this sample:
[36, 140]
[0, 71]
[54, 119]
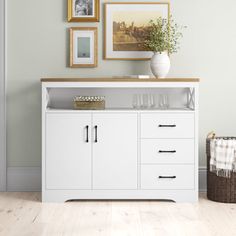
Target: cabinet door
[115, 151]
[68, 152]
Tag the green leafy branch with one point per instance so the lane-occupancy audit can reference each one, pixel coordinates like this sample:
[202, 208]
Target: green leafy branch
[164, 35]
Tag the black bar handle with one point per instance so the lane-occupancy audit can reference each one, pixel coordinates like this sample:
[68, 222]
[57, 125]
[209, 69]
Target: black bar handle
[167, 177]
[96, 133]
[167, 126]
[87, 134]
[163, 151]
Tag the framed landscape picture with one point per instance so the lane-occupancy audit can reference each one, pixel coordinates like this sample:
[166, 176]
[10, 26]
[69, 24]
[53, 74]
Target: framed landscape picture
[83, 47]
[126, 26]
[83, 10]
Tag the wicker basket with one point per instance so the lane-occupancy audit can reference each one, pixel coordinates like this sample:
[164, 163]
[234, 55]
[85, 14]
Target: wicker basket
[220, 189]
[89, 102]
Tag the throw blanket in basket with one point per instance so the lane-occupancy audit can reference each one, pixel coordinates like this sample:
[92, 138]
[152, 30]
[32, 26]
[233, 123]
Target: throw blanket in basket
[223, 157]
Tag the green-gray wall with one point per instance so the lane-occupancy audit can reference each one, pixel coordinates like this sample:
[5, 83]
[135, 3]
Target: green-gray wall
[38, 46]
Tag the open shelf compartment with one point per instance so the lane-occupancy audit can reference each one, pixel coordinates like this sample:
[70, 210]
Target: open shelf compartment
[179, 99]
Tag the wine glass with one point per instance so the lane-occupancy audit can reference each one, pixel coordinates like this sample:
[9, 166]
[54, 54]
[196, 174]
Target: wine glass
[163, 101]
[152, 101]
[135, 101]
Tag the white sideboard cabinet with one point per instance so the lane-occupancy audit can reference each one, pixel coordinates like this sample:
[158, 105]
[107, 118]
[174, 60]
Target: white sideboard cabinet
[120, 152]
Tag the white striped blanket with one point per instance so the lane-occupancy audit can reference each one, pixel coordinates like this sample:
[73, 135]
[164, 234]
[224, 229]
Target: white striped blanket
[223, 157]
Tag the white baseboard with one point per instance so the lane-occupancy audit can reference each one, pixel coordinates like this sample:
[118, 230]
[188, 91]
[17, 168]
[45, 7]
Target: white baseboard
[24, 179]
[202, 179]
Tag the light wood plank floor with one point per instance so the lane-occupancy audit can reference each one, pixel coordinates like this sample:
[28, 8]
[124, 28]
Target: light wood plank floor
[24, 214]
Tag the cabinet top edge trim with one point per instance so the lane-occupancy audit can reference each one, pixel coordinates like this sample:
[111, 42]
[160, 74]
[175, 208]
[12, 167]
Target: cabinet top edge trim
[120, 79]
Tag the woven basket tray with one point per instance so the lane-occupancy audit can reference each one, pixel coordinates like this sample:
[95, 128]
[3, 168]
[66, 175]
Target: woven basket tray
[220, 189]
[89, 105]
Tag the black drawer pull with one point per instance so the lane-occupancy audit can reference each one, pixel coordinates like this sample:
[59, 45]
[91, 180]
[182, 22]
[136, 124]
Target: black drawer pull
[163, 151]
[96, 134]
[167, 126]
[167, 177]
[87, 134]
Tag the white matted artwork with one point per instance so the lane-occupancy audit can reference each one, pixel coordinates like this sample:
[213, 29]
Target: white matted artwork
[83, 10]
[83, 47]
[126, 26]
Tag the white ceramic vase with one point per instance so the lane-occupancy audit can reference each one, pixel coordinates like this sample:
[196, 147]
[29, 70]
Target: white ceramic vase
[160, 64]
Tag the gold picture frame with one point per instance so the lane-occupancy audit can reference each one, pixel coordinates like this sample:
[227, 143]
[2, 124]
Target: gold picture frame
[83, 47]
[84, 12]
[109, 8]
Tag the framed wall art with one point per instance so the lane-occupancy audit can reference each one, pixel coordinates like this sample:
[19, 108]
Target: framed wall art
[83, 10]
[83, 47]
[126, 26]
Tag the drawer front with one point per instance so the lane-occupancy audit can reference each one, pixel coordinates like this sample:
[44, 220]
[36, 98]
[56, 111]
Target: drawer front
[167, 151]
[167, 177]
[167, 125]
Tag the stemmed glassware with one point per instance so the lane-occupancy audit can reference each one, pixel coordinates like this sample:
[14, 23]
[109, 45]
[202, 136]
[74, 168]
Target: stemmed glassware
[136, 101]
[151, 99]
[163, 101]
[144, 101]
[148, 101]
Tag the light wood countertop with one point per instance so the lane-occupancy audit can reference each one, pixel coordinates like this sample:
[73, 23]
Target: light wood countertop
[119, 79]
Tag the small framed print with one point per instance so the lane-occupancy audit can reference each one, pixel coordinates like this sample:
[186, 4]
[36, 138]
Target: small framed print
[83, 47]
[126, 26]
[83, 10]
